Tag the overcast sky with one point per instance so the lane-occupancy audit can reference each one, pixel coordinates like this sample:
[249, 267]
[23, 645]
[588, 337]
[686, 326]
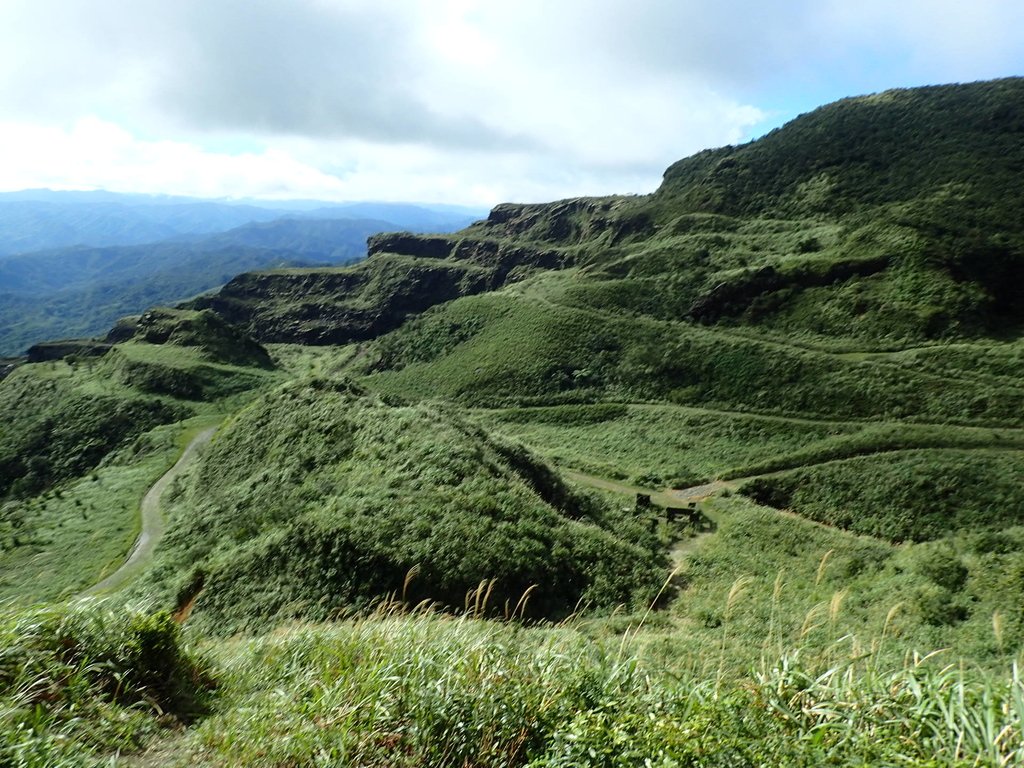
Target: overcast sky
[457, 101]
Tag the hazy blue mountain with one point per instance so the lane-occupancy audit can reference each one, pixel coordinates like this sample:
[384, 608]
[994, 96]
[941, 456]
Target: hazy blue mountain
[413, 217]
[27, 225]
[44, 273]
[82, 290]
[35, 220]
[89, 307]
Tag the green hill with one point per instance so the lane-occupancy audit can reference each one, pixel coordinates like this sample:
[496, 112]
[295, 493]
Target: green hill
[318, 499]
[416, 537]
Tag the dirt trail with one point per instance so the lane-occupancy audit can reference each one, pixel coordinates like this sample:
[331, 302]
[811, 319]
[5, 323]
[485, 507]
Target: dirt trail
[697, 492]
[152, 522]
[593, 481]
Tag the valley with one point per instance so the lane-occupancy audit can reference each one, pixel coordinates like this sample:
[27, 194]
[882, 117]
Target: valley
[393, 502]
[72, 264]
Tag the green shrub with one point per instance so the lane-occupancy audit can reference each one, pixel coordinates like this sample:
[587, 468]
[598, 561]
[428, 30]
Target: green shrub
[912, 495]
[80, 682]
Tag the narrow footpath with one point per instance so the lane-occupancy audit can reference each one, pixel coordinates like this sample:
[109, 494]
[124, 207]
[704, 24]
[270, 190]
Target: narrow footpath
[152, 522]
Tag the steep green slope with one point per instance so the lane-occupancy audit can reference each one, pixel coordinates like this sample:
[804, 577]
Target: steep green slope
[318, 499]
[926, 181]
[863, 152]
[522, 348]
[84, 437]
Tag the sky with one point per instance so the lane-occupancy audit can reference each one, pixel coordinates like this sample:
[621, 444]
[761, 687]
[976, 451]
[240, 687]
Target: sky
[469, 102]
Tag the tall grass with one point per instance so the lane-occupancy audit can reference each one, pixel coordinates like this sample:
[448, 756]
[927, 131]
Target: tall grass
[433, 690]
[81, 687]
[922, 711]
[80, 684]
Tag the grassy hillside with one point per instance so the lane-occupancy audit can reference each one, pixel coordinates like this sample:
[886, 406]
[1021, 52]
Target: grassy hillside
[84, 438]
[814, 337]
[523, 347]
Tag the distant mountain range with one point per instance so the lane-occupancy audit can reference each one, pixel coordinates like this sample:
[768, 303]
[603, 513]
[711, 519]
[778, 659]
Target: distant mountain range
[36, 220]
[71, 263]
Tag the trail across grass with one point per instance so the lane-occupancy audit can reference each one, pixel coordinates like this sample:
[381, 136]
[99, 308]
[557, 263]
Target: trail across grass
[152, 522]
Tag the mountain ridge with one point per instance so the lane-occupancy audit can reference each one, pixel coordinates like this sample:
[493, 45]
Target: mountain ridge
[79, 291]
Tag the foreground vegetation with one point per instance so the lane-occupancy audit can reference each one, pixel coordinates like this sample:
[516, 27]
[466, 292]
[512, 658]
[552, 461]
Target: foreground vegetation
[426, 689]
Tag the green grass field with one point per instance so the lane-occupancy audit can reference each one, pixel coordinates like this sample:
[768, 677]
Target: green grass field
[658, 445]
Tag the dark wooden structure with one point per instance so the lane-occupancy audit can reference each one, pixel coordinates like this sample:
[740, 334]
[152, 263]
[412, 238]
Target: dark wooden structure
[690, 515]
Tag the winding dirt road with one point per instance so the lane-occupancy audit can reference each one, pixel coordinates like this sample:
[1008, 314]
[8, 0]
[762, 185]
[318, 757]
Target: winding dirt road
[152, 522]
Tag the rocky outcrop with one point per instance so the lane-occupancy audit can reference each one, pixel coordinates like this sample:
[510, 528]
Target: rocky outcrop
[409, 244]
[568, 222]
[123, 330]
[8, 364]
[59, 350]
[342, 306]
[404, 275]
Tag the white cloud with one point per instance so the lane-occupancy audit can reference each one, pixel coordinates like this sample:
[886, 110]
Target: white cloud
[460, 100]
[93, 153]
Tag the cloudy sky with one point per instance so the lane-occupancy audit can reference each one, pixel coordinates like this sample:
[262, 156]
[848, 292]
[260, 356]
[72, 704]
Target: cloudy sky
[456, 101]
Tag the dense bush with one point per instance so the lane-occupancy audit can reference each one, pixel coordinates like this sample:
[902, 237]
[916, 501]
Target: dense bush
[912, 495]
[79, 683]
[54, 433]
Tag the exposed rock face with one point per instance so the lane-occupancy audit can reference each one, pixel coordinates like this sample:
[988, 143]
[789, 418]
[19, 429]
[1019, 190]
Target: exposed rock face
[504, 258]
[409, 244]
[404, 275]
[486, 252]
[58, 350]
[568, 222]
[335, 307]
[8, 364]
